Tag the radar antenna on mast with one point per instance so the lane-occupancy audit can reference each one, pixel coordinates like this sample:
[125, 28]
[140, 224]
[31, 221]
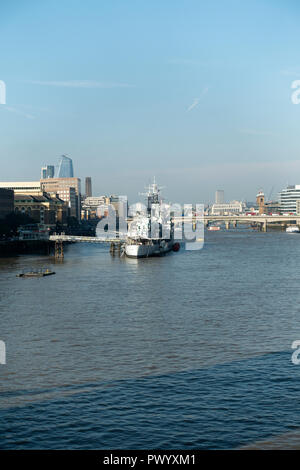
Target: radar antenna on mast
[152, 194]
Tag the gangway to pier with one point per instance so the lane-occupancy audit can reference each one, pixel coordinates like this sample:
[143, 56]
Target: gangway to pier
[83, 239]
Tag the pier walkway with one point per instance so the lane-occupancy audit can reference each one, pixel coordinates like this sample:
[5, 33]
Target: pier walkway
[80, 239]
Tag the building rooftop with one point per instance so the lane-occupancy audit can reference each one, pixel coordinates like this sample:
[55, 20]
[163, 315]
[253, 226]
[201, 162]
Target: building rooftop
[20, 184]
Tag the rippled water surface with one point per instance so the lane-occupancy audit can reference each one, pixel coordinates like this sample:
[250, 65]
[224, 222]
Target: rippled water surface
[192, 350]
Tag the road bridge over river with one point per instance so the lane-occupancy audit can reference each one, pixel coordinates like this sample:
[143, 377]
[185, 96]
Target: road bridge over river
[262, 221]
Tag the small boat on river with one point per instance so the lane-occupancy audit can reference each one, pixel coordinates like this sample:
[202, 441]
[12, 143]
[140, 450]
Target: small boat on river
[39, 273]
[292, 229]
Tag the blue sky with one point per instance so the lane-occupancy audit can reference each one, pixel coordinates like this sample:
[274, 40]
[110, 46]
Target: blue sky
[197, 93]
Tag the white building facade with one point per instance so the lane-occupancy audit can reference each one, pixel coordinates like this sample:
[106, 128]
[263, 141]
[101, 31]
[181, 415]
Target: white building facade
[233, 207]
[288, 199]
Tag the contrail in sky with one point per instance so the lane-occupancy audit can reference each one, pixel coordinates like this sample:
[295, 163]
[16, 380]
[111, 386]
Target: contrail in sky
[197, 100]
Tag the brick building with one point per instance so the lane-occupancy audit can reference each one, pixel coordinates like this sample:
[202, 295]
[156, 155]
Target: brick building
[67, 189]
[43, 209]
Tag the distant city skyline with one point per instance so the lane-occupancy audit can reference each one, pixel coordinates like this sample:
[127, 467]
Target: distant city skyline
[65, 169]
[196, 93]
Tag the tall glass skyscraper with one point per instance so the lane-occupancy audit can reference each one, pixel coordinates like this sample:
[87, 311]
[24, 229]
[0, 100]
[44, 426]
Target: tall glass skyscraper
[88, 186]
[47, 172]
[64, 168]
[219, 199]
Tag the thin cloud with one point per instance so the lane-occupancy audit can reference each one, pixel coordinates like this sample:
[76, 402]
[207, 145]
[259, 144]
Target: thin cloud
[256, 132]
[193, 62]
[291, 71]
[185, 62]
[11, 109]
[80, 84]
[197, 100]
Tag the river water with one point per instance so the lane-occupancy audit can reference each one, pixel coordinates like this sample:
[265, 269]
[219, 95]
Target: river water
[192, 350]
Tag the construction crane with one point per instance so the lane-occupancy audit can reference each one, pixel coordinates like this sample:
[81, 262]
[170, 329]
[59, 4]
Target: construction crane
[270, 194]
